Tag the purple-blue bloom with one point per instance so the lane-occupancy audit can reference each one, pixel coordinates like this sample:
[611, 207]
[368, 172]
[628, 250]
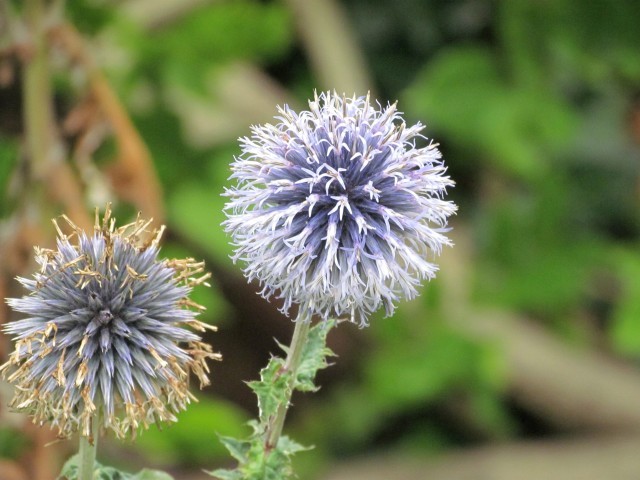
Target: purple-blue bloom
[337, 209]
[105, 334]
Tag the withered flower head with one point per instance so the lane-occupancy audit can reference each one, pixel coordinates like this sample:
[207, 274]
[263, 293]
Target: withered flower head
[105, 332]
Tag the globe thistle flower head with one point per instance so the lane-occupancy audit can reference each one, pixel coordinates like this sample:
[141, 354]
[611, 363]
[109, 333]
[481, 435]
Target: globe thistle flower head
[104, 333]
[337, 209]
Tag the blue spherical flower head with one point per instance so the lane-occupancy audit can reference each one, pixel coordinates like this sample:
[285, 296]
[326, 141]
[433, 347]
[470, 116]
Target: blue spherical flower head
[337, 209]
[105, 334]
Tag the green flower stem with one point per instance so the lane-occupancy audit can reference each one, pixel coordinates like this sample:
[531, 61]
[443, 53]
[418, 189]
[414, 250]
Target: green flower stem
[292, 364]
[87, 454]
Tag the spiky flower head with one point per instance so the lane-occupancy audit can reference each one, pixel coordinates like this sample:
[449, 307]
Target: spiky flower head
[337, 209]
[105, 332]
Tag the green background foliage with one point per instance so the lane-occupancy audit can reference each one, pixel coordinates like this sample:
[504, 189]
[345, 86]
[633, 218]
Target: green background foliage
[536, 108]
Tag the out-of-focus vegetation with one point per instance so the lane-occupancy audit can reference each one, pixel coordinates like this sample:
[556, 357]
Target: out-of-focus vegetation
[532, 330]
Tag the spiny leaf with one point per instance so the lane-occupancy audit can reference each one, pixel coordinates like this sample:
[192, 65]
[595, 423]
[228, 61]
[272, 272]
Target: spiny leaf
[314, 356]
[223, 474]
[238, 449]
[288, 446]
[151, 475]
[101, 472]
[271, 389]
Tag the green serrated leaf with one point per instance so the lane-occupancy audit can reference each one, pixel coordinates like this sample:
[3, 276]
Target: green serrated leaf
[193, 438]
[239, 449]
[102, 472]
[222, 474]
[151, 475]
[314, 356]
[271, 389]
[289, 447]
[110, 473]
[69, 469]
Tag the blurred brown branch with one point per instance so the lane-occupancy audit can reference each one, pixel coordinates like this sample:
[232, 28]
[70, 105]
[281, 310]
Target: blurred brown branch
[156, 15]
[132, 175]
[11, 471]
[45, 182]
[592, 458]
[573, 388]
[333, 50]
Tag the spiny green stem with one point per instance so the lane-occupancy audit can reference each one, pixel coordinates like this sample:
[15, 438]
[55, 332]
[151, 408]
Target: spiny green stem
[292, 364]
[87, 453]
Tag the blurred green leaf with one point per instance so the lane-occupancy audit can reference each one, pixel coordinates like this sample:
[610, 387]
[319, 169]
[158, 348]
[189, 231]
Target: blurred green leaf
[196, 211]
[214, 35]
[12, 442]
[535, 255]
[176, 162]
[217, 307]
[625, 328]
[89, 16]
[8, 162]
[601, 39]
[416, 360]
[418, 367]
[461, 94]
[193, 439]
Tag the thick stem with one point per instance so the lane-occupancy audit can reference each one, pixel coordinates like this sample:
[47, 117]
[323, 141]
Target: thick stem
[292, 364]
[87, 453]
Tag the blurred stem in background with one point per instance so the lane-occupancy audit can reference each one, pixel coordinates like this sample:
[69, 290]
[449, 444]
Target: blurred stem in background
[39, 140]
[331, 45]
[38, 112]
[49, 179]
[51, 173]
[34, 179]
[39, 128]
